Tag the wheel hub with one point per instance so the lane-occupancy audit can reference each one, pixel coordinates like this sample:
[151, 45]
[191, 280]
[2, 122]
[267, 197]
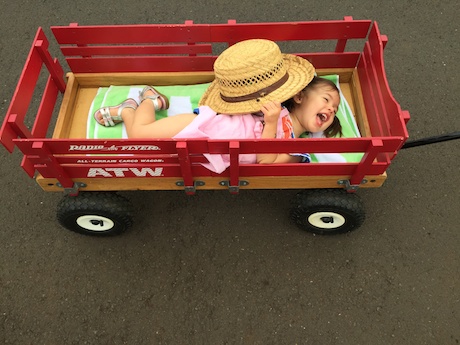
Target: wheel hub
[326, 220]
[95, 223]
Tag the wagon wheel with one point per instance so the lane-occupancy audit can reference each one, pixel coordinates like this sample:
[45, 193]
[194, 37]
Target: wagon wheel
[95, 213]
[327, 211]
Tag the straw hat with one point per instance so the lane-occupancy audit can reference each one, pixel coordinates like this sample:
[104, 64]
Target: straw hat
[252, 72]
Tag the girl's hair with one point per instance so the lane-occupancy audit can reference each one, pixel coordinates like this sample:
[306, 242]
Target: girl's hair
[335, 127]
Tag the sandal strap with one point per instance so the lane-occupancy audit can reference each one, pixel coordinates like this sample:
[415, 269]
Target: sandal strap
[107, 118]
[125, 104]
[154, 99]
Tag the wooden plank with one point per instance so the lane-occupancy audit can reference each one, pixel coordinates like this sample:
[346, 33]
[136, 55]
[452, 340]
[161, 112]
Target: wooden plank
[146, 78]
[81, 109]
[211, 183]
[66, 112]
[137, 50]
[46, 108]
[344, 74]
[278, 31]
[130, 34]
[139, 64]
[359, 108]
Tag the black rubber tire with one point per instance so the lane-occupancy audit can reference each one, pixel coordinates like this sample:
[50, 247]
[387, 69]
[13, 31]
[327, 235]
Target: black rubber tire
[95, 213]
[327, 211]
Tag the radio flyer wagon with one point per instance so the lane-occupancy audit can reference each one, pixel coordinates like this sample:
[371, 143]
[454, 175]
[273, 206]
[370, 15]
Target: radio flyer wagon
[90, 171]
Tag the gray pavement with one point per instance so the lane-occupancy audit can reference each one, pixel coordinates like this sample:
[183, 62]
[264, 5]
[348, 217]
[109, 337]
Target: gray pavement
[221, 269]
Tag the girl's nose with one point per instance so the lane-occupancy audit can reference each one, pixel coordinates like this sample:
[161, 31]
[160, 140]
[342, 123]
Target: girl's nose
[332, 110]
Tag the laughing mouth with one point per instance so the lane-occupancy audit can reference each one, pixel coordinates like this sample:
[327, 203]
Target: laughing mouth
[323, 117]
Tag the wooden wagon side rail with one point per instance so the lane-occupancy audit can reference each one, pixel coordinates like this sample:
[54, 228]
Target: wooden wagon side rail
[189, 47]
[384, 113]
[13, 125]
[70, 160]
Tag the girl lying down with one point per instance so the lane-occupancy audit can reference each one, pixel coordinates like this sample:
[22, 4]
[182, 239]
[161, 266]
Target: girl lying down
[257, 93]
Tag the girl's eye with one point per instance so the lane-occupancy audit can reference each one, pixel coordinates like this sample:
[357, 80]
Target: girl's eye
[326, 99]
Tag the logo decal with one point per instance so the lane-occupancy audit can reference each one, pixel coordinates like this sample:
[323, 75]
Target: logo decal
[123, 172]
[114, 148]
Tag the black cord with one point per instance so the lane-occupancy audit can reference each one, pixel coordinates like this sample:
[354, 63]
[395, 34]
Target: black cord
[431, 140]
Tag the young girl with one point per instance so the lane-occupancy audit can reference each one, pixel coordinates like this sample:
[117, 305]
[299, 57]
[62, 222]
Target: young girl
[252, 79]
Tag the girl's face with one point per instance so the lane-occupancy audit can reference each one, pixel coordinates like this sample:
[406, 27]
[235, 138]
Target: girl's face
[316, 108]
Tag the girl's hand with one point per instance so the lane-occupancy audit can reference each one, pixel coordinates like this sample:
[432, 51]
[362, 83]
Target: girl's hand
[271, 111]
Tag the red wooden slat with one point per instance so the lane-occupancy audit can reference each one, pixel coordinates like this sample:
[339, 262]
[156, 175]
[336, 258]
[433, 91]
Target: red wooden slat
[319, 30]
[142, 64]
[28, 166]
[96, 171]
[185, 63]
[341, 43]
[366, 162]
[131, 34]
[45, 111]
[120, 159]
[137, 50]
[185, 166]
[234, 150]
[160, 147]
[371, 86]
[17, 127]
[332, 145]
[332, 60]
[329, 169]
[101, 146]
[369, 98]
[174, 170]
[277, 31]
[53, 65]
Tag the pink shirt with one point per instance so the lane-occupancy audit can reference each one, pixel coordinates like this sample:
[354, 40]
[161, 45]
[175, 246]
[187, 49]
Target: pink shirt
[210, 125]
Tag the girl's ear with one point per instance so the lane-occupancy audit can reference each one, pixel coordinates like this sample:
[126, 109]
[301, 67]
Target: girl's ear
[298, 97]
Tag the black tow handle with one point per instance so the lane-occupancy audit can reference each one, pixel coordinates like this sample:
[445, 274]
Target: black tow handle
[431, 140]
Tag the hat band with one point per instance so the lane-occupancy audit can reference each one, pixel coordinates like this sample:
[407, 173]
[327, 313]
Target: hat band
[261, 93]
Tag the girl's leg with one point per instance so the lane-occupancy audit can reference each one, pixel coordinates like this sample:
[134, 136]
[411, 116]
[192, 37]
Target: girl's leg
[141, 123]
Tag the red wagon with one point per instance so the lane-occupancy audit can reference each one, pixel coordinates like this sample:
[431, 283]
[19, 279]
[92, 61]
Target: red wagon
[91, 170]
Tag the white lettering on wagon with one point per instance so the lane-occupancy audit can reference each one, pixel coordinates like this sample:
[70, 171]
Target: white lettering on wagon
[120, 172]
[114, 148]
[94, 161]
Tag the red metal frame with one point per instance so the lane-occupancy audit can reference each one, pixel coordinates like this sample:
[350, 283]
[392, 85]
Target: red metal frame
[189, 47]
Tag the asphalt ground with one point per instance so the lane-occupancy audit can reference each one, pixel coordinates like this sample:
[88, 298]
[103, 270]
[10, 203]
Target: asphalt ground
[222, 269]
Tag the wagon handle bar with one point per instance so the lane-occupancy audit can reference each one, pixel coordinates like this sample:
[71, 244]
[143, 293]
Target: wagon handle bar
[431, 140]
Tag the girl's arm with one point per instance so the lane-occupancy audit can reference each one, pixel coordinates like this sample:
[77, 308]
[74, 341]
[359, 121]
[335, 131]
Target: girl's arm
[272, 111]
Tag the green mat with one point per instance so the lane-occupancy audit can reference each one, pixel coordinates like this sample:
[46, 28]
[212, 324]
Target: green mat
[185, 98]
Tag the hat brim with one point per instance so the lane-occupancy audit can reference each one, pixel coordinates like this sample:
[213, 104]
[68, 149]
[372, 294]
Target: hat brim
[300, 71]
